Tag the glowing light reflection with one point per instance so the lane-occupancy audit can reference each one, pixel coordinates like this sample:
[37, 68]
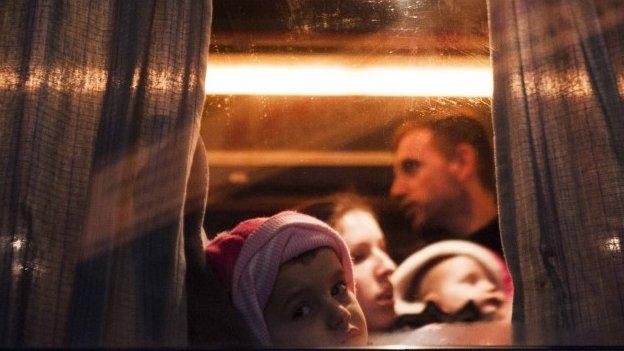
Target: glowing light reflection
[613, 244]
[336, 79]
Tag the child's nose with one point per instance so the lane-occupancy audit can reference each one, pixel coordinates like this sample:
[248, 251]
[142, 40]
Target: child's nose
[487, 285]
[339, 317]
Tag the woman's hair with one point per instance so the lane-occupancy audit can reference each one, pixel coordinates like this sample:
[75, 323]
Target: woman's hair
[330, 209]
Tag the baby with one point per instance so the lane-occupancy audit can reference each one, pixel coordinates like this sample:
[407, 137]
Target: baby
[291, 278]
[452, 274]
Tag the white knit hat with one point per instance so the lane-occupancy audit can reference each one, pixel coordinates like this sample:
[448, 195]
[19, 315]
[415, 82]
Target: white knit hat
[247, 260]
[405, 273]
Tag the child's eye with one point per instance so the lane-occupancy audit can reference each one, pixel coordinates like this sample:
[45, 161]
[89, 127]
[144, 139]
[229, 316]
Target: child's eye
[301, 311]
[339, 289]
[470, 279]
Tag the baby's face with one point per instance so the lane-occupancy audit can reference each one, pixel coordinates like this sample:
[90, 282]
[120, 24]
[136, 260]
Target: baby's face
[311, 306]
[457, 280]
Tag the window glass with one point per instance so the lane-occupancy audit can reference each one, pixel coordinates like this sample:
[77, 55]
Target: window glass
[303, 97]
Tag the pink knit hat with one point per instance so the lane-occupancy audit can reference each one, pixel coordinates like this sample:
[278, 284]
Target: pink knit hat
[247, 259]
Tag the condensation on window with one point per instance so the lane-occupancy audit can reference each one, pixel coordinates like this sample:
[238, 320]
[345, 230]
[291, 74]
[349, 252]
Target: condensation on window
[303, 96]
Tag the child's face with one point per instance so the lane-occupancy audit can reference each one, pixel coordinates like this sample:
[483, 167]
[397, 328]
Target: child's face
[371, 267]
[457, 280]
[310, 305]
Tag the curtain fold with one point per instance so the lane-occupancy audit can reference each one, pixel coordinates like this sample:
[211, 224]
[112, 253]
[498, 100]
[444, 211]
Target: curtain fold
[100, 107]
[558, 118]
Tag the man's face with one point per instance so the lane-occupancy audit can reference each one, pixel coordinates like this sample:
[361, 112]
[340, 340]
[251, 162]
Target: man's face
[311, 306]
[424, 181]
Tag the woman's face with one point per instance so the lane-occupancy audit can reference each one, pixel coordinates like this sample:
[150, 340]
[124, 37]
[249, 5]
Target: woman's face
[372, 267]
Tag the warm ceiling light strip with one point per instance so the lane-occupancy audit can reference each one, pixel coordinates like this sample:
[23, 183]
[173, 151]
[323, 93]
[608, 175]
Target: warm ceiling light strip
[298, 158]
[339, 79]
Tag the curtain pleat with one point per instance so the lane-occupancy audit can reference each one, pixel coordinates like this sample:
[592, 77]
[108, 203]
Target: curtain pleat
[100, 107]
[558, 118]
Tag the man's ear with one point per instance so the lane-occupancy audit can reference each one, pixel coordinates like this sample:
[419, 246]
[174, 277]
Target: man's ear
[464, 162]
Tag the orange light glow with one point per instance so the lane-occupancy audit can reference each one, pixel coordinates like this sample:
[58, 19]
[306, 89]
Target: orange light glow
[254, 158]
[341, 77]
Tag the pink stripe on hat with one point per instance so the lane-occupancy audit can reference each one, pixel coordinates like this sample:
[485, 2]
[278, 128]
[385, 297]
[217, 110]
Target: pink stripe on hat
[267, 243]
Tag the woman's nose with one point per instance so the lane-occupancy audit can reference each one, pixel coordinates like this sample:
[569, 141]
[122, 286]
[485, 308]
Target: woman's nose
[385, 266]
[339, 317]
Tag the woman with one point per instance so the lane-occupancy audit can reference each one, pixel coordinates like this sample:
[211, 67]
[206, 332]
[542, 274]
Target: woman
[355, 220]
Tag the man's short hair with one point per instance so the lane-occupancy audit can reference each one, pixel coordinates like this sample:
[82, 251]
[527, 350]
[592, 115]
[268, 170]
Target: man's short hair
[454, 130]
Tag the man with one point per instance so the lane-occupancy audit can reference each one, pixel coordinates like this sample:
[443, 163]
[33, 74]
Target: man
[444, 178]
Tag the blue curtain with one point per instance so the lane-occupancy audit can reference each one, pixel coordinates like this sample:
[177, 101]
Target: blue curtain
[558, 119]
[100, 107]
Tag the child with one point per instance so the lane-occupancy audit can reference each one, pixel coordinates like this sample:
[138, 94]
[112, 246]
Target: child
[354, 219]
[291, 278]
[454, 276]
